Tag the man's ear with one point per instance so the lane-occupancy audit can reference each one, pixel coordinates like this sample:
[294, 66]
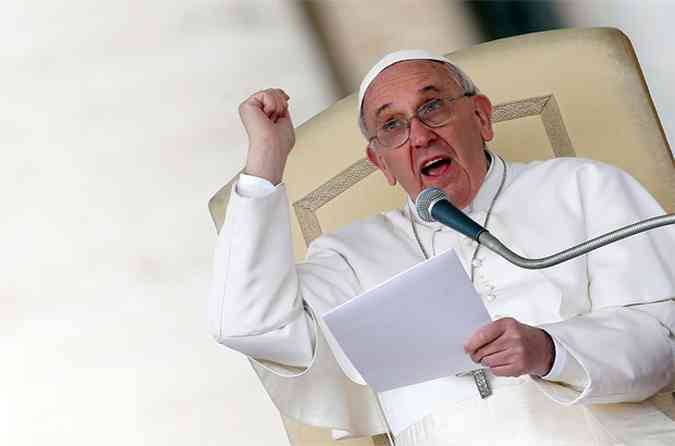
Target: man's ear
[484, 115]
[377, 161]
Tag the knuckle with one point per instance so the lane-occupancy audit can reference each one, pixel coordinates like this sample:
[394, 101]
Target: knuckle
[510, 323]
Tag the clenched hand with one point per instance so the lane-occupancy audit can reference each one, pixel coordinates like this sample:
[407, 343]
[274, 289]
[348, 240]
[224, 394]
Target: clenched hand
[270, 133]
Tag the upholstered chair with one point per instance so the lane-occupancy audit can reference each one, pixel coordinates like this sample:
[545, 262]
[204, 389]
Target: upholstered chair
[564, 93]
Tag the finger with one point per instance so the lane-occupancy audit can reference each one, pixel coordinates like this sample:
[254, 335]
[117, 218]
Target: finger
[282, 101]
[484, 335]
[266, 103]
[493, 347]
[274, 105]
[279, 93]
[281, 104]
[278, 97]
[284, 113]
[498, 359]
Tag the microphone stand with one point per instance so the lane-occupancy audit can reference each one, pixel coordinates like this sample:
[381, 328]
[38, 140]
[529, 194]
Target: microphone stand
[490, 241]
[432, 205]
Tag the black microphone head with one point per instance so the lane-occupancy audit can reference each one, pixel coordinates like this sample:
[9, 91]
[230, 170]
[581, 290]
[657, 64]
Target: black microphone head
[424, 201]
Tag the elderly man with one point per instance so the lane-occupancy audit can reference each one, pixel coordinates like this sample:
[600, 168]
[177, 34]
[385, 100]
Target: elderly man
[564, 342]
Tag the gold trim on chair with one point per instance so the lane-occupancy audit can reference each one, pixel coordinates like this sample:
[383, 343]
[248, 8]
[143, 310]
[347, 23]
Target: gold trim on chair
[305, 207]
[544, 106]
[547, 108]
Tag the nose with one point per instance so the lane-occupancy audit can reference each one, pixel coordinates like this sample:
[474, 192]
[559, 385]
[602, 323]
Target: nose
[420, 135]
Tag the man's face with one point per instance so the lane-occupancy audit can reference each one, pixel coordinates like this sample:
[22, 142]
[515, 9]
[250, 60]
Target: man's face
[400, 90]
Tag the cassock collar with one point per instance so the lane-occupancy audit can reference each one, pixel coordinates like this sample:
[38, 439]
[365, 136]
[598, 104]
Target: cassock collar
[484, 197]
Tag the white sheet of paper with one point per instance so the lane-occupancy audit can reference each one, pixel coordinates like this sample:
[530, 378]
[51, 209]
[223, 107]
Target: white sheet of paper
[411, 328]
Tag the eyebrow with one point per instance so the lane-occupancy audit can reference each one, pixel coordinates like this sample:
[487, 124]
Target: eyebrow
[429, 88]
[382, 108]
[424, 89]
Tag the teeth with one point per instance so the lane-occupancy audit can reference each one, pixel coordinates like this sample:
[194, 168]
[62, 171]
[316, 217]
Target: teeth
[429, 163]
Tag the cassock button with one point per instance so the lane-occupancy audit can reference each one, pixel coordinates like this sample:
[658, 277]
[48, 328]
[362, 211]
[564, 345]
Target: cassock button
[477, 263]
[490, 297]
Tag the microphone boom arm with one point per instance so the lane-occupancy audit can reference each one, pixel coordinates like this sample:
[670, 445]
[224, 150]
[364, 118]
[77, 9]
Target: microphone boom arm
[491, 242]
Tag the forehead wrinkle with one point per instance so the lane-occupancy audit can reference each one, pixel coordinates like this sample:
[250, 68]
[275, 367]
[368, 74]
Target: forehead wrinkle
[428, 73]
[422, 90]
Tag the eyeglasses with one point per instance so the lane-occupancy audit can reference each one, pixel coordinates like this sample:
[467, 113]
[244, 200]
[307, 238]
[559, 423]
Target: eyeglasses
[395, 131]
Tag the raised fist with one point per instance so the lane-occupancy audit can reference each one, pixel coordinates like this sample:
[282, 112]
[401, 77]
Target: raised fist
[270, 133]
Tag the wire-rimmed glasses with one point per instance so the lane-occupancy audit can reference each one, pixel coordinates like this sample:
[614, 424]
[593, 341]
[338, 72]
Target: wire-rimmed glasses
[395, 130]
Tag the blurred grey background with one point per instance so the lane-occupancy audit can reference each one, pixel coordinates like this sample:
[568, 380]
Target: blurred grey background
[118, 120]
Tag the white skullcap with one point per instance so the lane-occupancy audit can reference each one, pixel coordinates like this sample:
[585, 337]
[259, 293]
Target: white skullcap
[399, 56]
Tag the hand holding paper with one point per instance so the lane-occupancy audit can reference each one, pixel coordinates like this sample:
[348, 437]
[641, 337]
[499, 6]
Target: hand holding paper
[411, 328]
[510, 348]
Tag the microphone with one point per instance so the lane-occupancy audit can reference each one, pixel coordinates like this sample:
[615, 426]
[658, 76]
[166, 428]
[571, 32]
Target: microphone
[433, 205]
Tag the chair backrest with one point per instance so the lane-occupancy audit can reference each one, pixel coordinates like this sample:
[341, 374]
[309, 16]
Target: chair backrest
[575, 92]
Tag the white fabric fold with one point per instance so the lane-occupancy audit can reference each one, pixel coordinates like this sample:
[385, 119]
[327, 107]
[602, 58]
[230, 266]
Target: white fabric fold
[250, 186]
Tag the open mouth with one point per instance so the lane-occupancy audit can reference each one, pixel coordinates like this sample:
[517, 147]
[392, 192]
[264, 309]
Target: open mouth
[436, 167]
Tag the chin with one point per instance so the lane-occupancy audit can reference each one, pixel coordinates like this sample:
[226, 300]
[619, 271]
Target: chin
[458, 197]
[460, 200]
[460, 193]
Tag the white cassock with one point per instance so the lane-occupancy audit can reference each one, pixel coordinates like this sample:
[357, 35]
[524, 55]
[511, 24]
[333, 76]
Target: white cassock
[611, 313]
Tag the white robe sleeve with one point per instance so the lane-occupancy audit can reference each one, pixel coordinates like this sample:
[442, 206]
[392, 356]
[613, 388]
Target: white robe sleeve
[258, 298]
[625, 344]
[291, 340]
[249, 186]
[264, 305]
[559, 364]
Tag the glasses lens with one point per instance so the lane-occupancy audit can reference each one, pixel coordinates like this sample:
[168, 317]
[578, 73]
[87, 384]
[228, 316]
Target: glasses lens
[392, 133]
[436, 112]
